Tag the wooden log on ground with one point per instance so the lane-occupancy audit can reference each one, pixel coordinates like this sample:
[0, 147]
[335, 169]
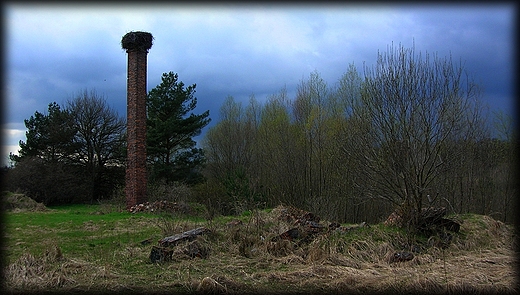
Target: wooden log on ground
[164, 251]
[187, 235]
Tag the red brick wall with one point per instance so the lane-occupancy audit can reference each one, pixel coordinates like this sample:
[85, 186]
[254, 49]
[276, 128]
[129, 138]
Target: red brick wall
[135, 189]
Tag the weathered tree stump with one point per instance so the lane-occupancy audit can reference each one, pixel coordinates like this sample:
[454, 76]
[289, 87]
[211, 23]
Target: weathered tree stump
[164, 251]
[160, 254]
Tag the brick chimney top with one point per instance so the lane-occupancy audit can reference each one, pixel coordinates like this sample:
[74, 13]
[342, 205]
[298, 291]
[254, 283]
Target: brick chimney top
[137, 41]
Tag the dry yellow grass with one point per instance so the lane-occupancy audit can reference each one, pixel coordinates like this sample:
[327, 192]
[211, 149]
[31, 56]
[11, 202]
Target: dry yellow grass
[243, 259]
[15, 202]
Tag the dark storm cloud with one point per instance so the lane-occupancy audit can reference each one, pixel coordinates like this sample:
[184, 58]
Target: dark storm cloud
[56, 52]
[479, 36]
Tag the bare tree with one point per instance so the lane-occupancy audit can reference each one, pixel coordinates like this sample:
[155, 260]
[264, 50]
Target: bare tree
[411, 110]
[310, 113]
[100, 135]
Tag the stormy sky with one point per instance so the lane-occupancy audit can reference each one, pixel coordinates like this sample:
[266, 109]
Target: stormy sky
[54, 52]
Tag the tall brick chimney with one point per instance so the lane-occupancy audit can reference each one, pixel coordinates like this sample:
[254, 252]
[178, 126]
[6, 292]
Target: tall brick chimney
[137, 45]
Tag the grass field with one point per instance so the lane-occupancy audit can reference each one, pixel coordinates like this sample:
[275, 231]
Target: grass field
[98, 248]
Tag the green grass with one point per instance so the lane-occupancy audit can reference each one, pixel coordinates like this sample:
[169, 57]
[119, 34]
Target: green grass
[75, 229]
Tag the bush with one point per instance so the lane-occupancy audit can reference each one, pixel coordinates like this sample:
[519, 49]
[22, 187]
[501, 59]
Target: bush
[47, 183]
[212, 194]
[171, 192]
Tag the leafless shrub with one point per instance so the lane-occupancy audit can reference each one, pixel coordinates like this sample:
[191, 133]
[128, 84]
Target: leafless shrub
[171, 192]
[170, 225]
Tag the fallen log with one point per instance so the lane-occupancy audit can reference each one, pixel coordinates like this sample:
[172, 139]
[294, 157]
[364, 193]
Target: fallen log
[187, 235]
[164, 250]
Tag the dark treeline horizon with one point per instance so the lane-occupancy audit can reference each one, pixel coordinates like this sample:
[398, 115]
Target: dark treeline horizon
[411, 132]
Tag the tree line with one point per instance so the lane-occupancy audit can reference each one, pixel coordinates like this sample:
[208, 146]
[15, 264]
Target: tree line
[410, 132]
[71, 153]
[77, 152]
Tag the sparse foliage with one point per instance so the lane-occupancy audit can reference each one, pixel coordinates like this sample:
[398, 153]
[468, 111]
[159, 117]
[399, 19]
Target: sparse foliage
[100, 132]
[410, 132]
[413, 108]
